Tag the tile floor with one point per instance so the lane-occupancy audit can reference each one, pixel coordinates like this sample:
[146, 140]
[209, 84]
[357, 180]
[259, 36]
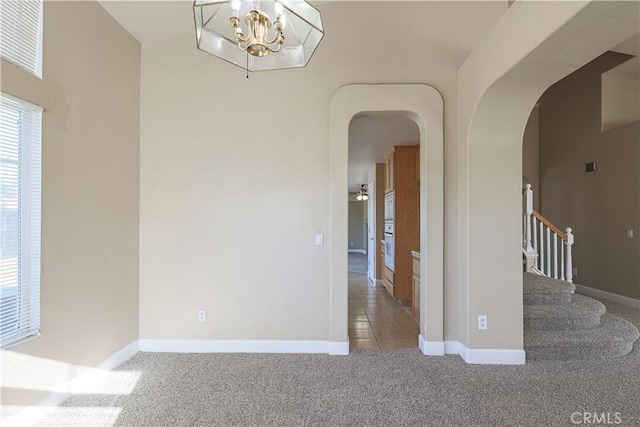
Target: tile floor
[375, 319]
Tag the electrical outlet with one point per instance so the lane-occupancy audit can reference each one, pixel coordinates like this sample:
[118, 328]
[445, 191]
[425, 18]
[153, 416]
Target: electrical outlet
[575, 271]
[630, 234]
[202, 315]
[482, 322]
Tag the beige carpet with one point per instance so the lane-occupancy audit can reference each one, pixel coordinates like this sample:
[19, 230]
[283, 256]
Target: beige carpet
[368, 387]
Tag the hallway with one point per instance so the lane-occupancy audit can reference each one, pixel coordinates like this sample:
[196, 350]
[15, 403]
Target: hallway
[376, 321]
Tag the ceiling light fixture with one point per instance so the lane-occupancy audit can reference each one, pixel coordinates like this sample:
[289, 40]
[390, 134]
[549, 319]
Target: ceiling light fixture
[362, 194]
[258, 35]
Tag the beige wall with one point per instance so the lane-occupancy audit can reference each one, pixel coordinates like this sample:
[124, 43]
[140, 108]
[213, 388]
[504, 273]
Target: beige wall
[89, 289]
[600, 206]
[530, 153]
[356, 224]
[620, 101]
[532, 46]
[205, 174]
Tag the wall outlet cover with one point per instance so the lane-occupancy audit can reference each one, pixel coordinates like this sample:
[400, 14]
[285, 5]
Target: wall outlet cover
[482, 322]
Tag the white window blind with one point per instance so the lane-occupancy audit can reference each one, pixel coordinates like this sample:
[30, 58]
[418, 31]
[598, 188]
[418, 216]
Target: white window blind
[21, 33]
[20, 217]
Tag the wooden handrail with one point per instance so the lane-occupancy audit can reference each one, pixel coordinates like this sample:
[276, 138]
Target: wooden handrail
[552, 227]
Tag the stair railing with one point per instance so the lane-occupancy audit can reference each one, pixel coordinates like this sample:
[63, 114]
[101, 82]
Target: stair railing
[547, 250]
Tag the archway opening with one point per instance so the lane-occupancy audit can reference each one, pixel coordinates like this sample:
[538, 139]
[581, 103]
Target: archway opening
[384, 231]
[423, 104]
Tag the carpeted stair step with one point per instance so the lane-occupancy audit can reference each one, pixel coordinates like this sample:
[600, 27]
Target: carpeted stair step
[613, 338]
[539, 290]
[581, 313]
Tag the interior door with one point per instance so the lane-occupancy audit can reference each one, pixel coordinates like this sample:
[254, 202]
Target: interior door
[371, 233]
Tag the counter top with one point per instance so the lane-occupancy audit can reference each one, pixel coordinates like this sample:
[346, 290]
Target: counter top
[415, 254]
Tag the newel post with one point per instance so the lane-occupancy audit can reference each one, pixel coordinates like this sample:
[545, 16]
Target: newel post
[569, 244]
[528, 247]
[528, 213]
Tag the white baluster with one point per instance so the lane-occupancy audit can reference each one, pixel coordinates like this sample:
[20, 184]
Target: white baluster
[562, 260]
[535, 240]
[555, 256]
[548, 251]
[569, 244]
[541, 241]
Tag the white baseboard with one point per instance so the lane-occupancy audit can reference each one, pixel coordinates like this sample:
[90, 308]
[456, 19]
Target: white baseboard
[243, 346]
[597, 293]
[485, 356]
[451, 347]
[31, 415]
[339, 348]
[358, 251]
[431, 348]
[490, 356]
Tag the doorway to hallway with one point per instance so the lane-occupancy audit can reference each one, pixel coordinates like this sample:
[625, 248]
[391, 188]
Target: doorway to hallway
[424, 105]
[375, 319]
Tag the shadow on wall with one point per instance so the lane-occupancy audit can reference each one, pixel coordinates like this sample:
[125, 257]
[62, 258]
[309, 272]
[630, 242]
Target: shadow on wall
[601, 206]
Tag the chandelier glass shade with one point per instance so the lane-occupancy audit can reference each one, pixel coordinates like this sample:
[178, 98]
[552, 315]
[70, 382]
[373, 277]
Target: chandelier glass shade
[258, 35]
[362, 194]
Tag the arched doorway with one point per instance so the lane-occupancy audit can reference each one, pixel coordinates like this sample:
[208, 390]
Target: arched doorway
[498, 86]
[424, 105]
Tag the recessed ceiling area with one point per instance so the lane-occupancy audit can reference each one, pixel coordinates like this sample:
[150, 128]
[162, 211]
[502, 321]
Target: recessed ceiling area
[631, 68]
[371, 138]
[151, 21]
[444, 28]
[445, 31]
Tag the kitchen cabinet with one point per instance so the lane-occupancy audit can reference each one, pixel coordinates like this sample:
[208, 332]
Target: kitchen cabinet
[389, 280]
[402, 181]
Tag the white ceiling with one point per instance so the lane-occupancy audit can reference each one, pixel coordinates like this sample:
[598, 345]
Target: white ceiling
[371, 138]
[631, 68]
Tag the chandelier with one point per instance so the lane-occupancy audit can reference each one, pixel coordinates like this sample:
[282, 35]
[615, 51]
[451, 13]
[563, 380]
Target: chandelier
[362, 194]
[258, 35]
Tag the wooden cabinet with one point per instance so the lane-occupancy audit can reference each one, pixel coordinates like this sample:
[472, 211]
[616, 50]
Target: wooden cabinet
[415, 303]
[417, 169]
[389, 172]
[389, 279]
[402, 177]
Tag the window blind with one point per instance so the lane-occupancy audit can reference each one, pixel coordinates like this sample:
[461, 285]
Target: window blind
[20, 218]
[21, 35]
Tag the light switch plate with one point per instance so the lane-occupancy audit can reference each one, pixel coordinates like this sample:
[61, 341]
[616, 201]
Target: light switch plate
[630, 234]
[319, 239]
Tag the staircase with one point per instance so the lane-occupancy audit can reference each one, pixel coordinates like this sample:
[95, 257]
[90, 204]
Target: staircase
[561, 325]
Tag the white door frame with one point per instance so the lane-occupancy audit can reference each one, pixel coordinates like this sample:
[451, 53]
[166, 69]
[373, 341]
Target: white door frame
[372, 223]
[424, 105]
